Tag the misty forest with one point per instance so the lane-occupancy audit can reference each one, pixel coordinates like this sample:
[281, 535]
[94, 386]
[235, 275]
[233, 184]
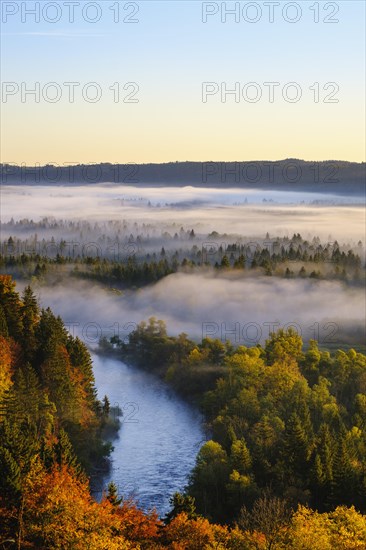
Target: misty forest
[182, 367]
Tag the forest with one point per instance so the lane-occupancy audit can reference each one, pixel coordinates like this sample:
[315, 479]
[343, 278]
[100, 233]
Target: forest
[285, 467]
[280, 418]
[328, 176]
[125, 255]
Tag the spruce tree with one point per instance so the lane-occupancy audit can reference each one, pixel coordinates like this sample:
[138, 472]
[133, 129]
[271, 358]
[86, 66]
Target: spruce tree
[112, 494]
[64, 453]
[296, 449]
[3, 324]
[10, 478]
[30, 314]
[181, 503]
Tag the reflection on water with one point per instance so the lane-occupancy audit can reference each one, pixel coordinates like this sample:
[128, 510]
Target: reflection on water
[159, 437]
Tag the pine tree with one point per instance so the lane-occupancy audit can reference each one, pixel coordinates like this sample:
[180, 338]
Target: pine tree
[318, 482]
[240, 262]
[11, 304]
[27, 402]
[344, 485]
[81, 360]
[325, 447]
[56, 375]
[50, 333]
[181, 503]
[296, 449]
[10, 478]
[3, 324]
[106, 407]
[30, 314]
[240, 456]
[112, 494]
[225, 263]
[64, 453]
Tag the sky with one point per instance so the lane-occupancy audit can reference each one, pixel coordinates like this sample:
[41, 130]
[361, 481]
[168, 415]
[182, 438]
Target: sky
[149, 81]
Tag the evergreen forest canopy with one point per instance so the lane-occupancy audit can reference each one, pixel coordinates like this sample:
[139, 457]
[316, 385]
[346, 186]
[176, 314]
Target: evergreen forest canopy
[126, 255]
[285, 467]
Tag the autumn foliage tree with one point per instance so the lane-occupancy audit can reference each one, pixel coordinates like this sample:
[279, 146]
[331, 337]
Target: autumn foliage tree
[288, 431]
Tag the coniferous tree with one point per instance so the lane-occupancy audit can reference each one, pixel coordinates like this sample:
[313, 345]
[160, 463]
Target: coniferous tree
[81, 360]
[64, 453]
[112, 494]
[50, 333]
[30, 315]
[296, 449]
[11, 304]
[10, 479]
[344, 485]
[181, 503]
[240, 456]
[3, 324]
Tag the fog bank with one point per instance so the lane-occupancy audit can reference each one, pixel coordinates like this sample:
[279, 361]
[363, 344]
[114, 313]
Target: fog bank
[226, 307]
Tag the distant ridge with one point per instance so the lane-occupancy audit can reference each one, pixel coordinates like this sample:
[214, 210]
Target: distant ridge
[332, 176]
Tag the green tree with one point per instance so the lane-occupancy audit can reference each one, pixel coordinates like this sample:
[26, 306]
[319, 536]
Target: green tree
[12, 306]
[3, 324]
[112, 494]
[64, 453]
[225, 263]
[208, 480]
[285, 344]
[240, 456]
[30, 315]
[181, 503]
[297, 450]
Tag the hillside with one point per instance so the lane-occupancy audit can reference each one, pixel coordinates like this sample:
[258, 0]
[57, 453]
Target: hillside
[339, 177]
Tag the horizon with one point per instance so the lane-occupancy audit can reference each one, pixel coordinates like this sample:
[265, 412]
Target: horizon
[214, 161]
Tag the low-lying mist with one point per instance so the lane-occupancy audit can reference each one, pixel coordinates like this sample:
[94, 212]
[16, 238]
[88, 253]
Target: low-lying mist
[226, 306]
[230, 211]
[223, 305]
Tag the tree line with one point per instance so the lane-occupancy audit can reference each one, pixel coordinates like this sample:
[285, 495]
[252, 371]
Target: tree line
[284, 257]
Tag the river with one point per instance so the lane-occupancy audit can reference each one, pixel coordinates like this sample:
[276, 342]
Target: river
[159, 438]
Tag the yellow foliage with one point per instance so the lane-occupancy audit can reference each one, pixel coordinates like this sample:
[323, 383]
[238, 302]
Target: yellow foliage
[348, 530]
[5, 366]
[185, 534]
[196, 357]
[309, 531]
[343, 529]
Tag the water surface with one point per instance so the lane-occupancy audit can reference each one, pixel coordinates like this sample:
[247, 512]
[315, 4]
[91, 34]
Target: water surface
[159, 437]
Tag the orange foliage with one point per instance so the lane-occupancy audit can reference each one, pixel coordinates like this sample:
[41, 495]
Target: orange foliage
[7, 284]
[59, 513]
[5, 366]
[199, 534]
[136, 525]
[185, 534]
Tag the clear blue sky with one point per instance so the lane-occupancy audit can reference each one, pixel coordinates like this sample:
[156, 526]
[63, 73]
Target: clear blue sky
[169, 53]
